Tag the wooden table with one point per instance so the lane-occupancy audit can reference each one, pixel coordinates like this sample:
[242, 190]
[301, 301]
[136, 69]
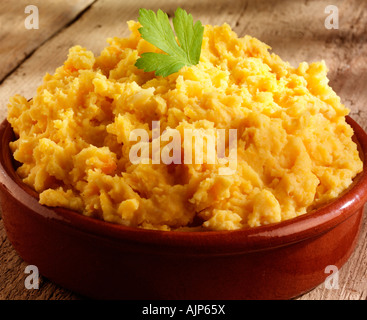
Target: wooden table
[295, 30]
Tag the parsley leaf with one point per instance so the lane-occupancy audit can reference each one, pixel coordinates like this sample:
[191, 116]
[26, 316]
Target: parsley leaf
[157, 30]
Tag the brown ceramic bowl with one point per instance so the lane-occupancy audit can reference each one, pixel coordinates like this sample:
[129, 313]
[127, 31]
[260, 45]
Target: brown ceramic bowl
[107, 261]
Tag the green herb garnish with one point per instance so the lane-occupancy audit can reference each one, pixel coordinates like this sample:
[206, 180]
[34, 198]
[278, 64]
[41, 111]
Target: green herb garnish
[157, 30]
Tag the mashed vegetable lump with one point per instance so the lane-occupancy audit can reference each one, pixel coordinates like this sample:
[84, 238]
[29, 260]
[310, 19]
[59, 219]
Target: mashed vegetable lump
[294, 148]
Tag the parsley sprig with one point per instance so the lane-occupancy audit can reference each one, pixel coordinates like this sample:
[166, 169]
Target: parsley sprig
[157, 30]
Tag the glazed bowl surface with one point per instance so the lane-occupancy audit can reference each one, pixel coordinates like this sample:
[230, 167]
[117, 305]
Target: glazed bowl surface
[102, 260]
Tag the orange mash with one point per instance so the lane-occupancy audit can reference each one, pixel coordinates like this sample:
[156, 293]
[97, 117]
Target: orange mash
[294, 148]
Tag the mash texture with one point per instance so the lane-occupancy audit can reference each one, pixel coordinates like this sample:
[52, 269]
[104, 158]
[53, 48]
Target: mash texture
[295, 150]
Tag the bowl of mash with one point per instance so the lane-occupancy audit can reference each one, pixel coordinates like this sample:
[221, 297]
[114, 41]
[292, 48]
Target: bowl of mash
[241, 177]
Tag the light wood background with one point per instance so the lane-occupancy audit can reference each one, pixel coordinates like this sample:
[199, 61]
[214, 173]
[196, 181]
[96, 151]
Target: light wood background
[295, 29]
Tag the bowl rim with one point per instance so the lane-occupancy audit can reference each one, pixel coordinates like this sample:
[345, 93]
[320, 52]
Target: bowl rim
[300, 228]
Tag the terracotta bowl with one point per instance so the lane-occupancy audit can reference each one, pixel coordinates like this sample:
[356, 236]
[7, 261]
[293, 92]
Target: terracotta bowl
[106, 261]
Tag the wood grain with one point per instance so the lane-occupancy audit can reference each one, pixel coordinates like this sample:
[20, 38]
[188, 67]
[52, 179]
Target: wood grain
[18, 42]
[294, 29]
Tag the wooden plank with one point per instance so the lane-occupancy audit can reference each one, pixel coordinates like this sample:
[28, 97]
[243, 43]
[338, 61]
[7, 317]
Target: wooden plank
[18, 42]
[295, 30]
